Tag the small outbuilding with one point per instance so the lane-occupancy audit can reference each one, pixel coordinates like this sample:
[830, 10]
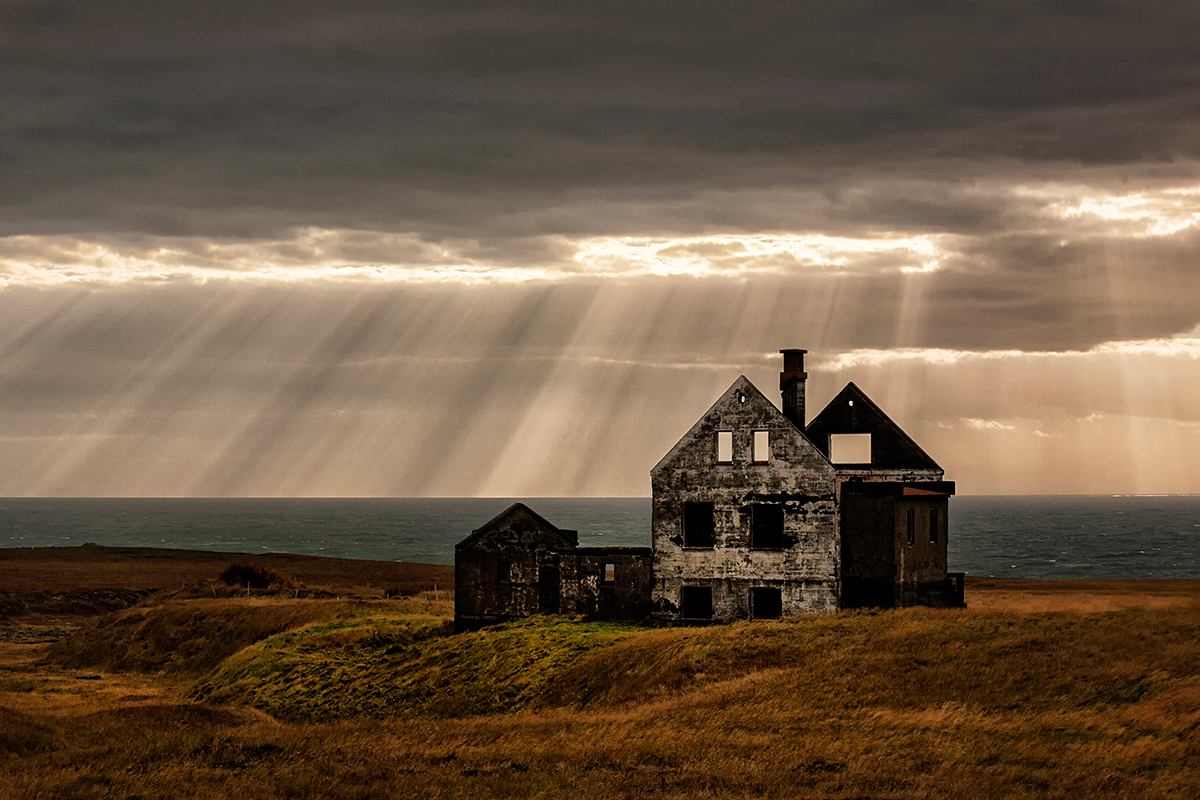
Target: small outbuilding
[519, 564]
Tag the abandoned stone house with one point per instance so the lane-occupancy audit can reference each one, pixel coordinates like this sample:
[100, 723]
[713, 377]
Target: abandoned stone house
[755, 514]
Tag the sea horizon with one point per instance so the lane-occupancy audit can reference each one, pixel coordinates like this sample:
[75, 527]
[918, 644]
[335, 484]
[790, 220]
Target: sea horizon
[1022, 536]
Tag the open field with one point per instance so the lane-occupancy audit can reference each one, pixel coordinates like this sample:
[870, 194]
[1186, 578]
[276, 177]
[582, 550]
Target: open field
[1040, 689]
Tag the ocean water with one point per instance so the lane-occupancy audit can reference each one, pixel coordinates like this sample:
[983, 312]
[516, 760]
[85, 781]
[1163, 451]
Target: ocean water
[1022, 537]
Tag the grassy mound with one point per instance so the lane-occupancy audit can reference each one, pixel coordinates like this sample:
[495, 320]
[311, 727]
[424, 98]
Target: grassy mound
[901, 660]
[411, 666]
[185, 637]
[384, 666]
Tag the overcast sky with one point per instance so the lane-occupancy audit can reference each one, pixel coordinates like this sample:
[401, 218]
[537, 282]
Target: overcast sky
[518, 248]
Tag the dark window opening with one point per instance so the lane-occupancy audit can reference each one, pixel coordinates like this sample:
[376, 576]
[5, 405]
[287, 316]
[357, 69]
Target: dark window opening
[766, 527]
[697, 524]
[610, 573]
[503, 570]
[933, 526]
[697, 602]
[911, 535]
[548, 589]
[766, 603]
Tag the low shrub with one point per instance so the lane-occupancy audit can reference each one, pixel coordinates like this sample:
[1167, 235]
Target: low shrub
[256, 576]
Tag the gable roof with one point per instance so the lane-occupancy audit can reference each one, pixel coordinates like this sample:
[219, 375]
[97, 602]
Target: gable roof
[851, 411]
[742, 385]
[521, 521]
[746, 405]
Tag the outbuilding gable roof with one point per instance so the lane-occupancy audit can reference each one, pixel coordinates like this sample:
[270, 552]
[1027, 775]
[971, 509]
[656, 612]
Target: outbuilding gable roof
[520, 522]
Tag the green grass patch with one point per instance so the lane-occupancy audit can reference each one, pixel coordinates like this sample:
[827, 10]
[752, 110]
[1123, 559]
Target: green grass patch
[404, 667]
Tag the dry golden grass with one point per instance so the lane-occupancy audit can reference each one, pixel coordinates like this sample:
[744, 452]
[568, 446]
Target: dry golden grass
[1033, 692]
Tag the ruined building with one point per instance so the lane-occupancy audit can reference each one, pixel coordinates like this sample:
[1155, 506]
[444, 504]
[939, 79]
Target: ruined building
[518, 564]
[755, 515]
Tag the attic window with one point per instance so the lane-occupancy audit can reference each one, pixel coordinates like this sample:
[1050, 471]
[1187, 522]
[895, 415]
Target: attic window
[762, 446]
[724, 447]
[610, 573]
[850, 448]
[850, 403]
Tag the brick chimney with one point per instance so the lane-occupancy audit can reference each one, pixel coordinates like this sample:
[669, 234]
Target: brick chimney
[791, 383]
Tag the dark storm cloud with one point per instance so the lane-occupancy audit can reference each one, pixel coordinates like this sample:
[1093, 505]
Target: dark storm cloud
[471, 248]
[247, 119]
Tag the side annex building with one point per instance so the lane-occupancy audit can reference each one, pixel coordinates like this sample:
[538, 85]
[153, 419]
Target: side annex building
[755, 515]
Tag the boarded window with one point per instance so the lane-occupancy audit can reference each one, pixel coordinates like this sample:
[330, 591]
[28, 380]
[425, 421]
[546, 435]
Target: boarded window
[766, 526]
[911, 526]
[610, 573]
[762, 446]
[766, 603]
[697, 524]
[697, 602]
[933, 526]
[850, 448]
[724, 446]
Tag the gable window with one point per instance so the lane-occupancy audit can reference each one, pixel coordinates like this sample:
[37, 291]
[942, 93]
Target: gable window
[850, 448]
[762, 446]
[933, 525]
[610, 573]
[766, 526]
[697, 602]
[766, 603]
[724, 447]
[697, 524]
[911, 526]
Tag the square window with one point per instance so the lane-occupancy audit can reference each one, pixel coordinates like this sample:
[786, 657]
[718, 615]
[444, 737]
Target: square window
[697, 524]
[766, 603]
[766, 526]
[697, 602]
[762, 446]
[850, 448]
[911, 526]
[724, 447]
[610, 573]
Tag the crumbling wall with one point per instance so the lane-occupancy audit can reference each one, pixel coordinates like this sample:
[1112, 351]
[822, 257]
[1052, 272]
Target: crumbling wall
[609, 583]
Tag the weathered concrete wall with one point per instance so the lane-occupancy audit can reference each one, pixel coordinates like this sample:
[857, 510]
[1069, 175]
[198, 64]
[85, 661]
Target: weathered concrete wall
[868, 525]
[795, 476]
[920, 566]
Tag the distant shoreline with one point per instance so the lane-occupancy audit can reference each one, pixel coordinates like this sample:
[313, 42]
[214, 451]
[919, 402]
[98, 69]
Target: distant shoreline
[92, 566]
